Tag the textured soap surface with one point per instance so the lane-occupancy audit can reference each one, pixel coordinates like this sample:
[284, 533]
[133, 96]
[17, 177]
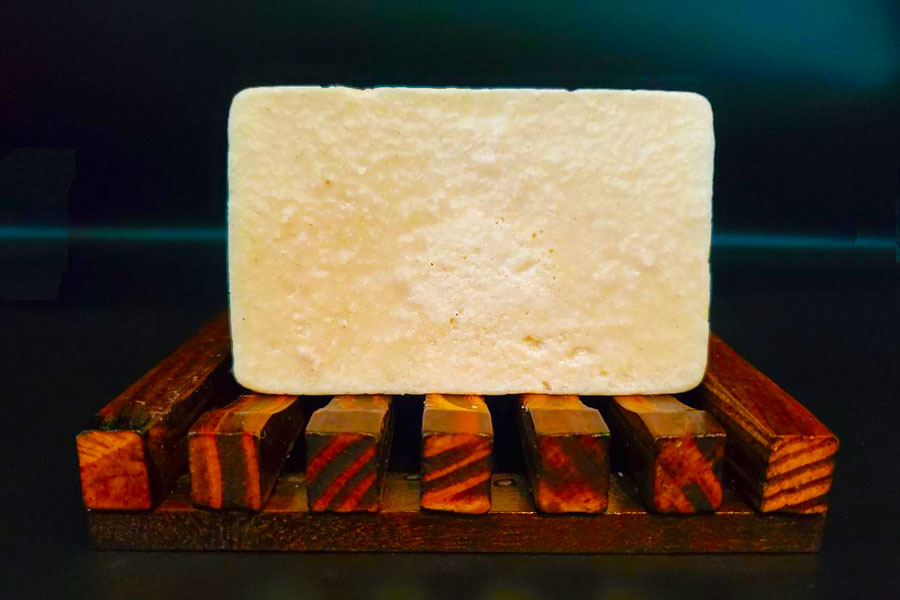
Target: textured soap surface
[402, 240]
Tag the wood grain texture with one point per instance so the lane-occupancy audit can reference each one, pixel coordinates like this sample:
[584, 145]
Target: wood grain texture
[566, 446]
[672, 451]
[457, 454]
[132, 452]
[779, 454]
[236, 452]
[347, 444]
[512, 525]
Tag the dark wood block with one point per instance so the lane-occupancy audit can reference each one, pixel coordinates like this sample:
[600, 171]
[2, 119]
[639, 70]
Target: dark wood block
[779, 454]
[512, 525]
[566, 447]
[673, 452]
[347, 447]
[236, 452]
[132, 452]
[457, 454]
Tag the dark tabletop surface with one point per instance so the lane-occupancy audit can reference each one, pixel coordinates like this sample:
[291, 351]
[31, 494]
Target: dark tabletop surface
[824, 326]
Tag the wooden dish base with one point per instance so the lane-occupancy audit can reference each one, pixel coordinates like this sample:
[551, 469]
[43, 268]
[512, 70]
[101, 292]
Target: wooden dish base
[512, 525]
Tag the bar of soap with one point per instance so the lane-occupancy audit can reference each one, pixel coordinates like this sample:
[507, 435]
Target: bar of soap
[409, 241]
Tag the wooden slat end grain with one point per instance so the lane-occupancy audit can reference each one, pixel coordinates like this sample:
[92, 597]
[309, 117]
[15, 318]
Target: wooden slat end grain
[457, 454]
[347, 444]
[673, 452]
[566, 446]
[236, 452]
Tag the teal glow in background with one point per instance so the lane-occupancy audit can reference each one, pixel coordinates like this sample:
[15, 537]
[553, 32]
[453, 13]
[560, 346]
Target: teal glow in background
[806, 100]
[727, 246]
[218, 235]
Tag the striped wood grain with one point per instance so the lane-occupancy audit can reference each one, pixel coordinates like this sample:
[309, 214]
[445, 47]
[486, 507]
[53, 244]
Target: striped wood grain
[566, 447]
[347, 445]
[457, 454]
[236, 452]
[673, 452]
[779, 454]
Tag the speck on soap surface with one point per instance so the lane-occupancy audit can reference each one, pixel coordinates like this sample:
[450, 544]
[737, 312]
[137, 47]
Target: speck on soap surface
[411, 240]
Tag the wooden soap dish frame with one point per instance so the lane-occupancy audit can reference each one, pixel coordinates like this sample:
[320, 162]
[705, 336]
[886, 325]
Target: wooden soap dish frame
[513, 524]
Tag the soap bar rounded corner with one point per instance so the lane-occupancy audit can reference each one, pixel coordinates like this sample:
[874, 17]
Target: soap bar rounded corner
[242, 97]
[246, 379]
[700, 101]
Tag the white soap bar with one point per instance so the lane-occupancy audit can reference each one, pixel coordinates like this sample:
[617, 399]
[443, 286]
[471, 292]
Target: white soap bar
[410, 241]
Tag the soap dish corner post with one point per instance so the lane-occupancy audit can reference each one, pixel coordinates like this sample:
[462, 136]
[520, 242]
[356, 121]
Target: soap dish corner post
[779, 455]
[131, 453]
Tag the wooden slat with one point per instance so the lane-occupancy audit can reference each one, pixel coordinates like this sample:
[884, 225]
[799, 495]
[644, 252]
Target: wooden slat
[512, 525]
[132, 452]
[457, 454]
[779, 453]
[672, 451]
[566, 447]
[347, 447]
[236, 452]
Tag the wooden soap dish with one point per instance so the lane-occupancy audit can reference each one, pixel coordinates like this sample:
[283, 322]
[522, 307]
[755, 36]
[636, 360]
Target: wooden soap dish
[737, 465]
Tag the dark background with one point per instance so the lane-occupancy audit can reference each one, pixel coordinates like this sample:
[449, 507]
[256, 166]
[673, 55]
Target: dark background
[112, 157]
